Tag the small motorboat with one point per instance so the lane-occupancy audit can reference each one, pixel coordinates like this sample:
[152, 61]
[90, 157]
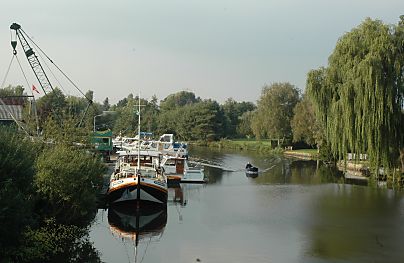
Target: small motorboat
[251, 171]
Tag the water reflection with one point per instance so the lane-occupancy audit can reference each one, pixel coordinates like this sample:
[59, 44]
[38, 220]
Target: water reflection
[145, 224]
[129, 222]
[289, 171]
[294, 211]
[352, 222]
[251, 175]
[176, 195]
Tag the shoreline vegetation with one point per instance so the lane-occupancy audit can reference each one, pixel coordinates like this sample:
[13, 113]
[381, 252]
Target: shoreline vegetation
[360, 170]
[48, 198]
[49, 185]
[343, 109]
[261, 146]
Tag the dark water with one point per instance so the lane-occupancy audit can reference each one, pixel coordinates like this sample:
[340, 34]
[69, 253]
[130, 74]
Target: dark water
[294, 211]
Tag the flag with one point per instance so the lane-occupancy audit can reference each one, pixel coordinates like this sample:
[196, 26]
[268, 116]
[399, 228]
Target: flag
[35, 89]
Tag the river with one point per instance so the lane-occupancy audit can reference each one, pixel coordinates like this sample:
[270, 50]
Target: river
[294, 211]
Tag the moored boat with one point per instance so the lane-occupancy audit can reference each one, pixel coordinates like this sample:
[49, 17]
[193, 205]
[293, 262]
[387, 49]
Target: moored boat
[165, 144]
[138, 178]
[178, 170]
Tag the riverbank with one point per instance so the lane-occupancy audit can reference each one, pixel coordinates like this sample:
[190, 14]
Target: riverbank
[262, 146]
[360, 168]
[314, 201]
[305, 154]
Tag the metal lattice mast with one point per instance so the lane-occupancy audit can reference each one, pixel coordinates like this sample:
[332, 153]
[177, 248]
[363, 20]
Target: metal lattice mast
[32, 59]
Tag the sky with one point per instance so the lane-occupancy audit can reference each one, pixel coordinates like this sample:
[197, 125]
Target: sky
[218, 49]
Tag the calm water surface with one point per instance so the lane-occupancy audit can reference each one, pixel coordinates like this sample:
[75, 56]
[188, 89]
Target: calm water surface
[294, 211]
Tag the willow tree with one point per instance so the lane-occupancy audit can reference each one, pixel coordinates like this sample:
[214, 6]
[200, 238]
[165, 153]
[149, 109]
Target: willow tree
[359, 96]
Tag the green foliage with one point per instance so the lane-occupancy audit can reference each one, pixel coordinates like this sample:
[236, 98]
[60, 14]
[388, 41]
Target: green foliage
[275, 111]
[262, 146]
[233, 111]
[75, 106]
[53, 104]
[198, 121]
[61, 108]
[127, 119]
[17, 158]
[183, 114]
[178, 99]
[12, 91]
[68, 180]
[55, 242]
[105, 104]
[305, 126]
[244, 125]
[359, 97]
[66, 132]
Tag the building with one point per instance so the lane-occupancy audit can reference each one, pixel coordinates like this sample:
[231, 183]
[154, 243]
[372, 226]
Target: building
[11, 108]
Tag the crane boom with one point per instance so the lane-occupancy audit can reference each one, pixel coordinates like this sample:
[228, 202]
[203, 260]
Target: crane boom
[32, 59]
[37, 67]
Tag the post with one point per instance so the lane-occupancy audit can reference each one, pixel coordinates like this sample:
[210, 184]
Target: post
[102, 114]
[94, 119]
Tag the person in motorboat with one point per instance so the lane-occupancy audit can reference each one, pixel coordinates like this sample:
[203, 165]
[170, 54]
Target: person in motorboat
[249, 165]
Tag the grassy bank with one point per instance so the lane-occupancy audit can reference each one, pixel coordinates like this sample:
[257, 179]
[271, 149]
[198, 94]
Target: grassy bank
[310, 154]
[264, 146]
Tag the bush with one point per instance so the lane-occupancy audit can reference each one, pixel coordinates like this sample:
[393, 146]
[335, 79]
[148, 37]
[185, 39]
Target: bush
[68, 181]
[54, 242]
[17, 159]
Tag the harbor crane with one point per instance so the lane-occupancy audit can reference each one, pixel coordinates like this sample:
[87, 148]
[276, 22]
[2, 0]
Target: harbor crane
[46, 85]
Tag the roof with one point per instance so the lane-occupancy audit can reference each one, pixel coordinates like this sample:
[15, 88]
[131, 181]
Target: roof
[142, 153]
[15, 110]
[106, 133]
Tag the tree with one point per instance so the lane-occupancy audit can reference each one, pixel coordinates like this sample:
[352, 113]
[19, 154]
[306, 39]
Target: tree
[68, 181]
[359, 96]
[244, 126]
[233, 111]
[149, 114]
[55, 242]
[12, 91]
[275, 111]
[207, 121]
[76, 106]
[197, 121]
[305, 126]
[17, 161]
[53, 104]
[105, 104]
[89, 95]
[66, 132]
[178, 99]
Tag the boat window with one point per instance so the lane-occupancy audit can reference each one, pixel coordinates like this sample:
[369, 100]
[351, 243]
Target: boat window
[170, 162]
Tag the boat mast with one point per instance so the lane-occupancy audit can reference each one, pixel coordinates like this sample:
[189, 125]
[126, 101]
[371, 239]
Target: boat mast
[138, 134]
[138, 157]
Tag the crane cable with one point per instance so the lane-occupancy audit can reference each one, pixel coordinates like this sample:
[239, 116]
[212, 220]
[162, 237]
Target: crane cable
[32, 93]
[8, 70]
[89, 100]
[5, 105]
[57, 80]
